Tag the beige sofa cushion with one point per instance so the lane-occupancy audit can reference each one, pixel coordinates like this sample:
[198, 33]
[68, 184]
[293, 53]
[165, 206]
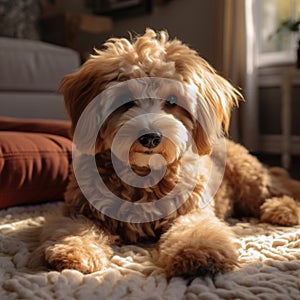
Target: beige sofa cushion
[33, 65]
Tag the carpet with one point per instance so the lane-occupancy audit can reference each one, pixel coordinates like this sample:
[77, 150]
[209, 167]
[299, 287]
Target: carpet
[269, 255]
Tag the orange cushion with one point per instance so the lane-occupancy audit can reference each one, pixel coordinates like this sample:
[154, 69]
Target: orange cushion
[58, 127]
[34, 167]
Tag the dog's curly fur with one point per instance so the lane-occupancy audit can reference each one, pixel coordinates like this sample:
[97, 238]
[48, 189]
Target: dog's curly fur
[191, 240]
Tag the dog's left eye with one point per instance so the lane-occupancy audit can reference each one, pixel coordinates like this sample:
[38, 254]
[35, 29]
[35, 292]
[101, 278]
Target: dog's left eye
[171, 101]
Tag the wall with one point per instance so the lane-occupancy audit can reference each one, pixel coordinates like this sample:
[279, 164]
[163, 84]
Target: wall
[191, 21]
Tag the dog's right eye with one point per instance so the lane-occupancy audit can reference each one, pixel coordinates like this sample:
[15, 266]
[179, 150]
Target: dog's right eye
[126, 98]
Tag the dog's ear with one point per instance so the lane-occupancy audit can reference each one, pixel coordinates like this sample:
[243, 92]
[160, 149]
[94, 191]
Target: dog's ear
[220, 96]
[201, 140]
[78, 90]
[215, 99]
[83, 86]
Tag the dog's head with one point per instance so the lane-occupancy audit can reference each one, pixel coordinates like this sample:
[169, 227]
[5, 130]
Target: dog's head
[165, 99]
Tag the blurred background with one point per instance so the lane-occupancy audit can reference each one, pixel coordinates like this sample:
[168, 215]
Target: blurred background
[253, 43]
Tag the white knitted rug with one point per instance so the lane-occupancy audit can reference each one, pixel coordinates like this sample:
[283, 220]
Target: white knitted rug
[272, 255]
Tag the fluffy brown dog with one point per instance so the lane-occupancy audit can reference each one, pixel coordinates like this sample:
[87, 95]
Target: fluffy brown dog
[178, 122]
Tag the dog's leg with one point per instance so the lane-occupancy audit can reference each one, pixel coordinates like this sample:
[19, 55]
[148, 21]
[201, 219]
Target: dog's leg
[256, 190]
[196, 244]
[284, 211]
[73, 244]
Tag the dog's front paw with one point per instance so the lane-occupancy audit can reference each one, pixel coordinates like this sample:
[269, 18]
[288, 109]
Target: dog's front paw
[282, 211]
[71, 259]
[197, 244]
[62, 256]
[198, 257]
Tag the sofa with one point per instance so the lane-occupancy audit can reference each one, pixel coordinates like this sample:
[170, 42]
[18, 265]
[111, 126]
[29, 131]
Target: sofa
[35, 149]
[30, 74]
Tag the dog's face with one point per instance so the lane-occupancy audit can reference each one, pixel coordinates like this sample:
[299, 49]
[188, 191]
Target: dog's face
[147, 125]
[169, 99]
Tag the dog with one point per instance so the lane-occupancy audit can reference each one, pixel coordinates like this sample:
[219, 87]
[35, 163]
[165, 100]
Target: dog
[179, 120]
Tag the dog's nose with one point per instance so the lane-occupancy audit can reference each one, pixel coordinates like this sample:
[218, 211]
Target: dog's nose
[150, 140]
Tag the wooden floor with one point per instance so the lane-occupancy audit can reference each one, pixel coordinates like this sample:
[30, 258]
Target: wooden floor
[275, 160]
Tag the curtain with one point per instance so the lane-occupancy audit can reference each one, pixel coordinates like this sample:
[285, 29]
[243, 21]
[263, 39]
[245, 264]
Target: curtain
[236, 61]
